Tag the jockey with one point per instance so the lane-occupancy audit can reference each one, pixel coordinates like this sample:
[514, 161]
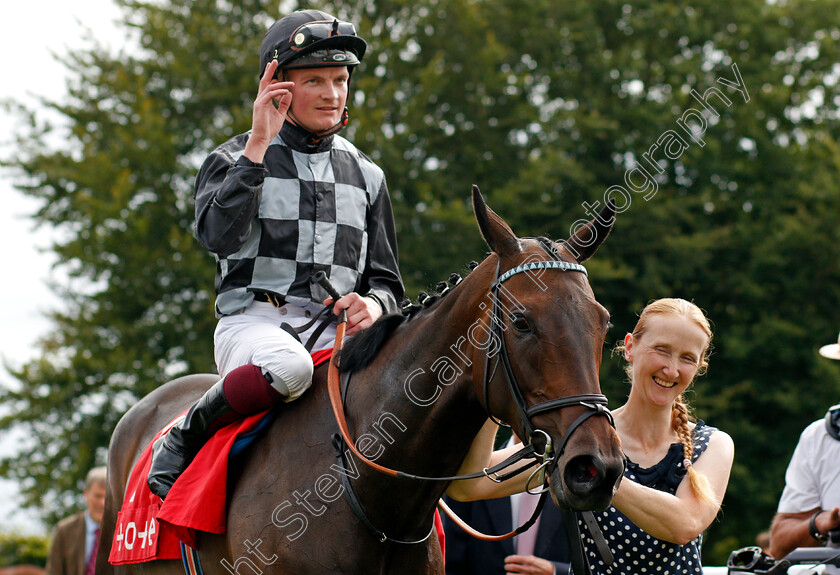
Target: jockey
[274, 205]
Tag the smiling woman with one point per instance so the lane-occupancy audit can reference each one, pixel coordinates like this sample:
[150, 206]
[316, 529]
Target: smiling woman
[668, 348]
[654, 514]
[664, 515]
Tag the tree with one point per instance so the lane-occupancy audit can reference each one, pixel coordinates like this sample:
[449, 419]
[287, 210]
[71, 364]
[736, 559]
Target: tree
[549, 107]
[141, 311]
[17, 549]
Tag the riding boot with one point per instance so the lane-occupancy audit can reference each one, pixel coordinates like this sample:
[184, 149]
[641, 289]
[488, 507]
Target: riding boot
[242, 392]
[173, 452]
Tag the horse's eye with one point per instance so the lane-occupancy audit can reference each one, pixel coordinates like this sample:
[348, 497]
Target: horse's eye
[520, 323]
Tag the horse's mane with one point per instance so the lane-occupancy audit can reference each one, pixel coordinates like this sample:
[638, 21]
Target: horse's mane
[359, 350]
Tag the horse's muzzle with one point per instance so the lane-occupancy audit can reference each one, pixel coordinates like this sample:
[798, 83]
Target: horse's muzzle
[586, 482]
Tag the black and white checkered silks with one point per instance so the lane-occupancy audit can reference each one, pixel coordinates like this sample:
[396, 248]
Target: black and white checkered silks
[328, 210]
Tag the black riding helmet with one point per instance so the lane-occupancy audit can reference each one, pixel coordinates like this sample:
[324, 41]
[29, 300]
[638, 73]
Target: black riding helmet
[311, 39]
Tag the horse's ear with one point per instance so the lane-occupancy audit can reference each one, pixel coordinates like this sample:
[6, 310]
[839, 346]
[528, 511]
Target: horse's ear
[495, 231]
[589, 237]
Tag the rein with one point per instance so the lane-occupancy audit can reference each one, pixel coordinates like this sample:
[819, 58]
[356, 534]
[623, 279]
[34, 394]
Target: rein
[595, 404]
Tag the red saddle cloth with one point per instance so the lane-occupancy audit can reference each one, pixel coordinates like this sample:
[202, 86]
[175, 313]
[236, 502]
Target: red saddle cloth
[148, 529]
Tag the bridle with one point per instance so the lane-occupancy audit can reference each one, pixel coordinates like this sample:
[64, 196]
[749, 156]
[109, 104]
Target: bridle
[594, 404]
[548, 457]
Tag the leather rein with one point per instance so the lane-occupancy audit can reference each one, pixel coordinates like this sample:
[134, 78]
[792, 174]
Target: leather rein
[546, 454]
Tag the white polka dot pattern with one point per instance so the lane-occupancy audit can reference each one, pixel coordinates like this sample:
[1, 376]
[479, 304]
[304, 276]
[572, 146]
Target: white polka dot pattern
[635, 551]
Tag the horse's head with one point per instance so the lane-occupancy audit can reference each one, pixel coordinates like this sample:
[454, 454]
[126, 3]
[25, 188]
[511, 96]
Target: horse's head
[548, 338]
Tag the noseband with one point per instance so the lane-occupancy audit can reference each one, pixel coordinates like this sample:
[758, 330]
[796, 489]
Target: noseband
[594, 404]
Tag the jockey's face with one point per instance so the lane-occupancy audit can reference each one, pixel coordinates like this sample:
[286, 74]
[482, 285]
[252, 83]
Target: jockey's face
[318, 97]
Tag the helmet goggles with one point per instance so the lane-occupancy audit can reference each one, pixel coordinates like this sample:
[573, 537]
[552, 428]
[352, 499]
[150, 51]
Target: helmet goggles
[311, 39]
[311, 32]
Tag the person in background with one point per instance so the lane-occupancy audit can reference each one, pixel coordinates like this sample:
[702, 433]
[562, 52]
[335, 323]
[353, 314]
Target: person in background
[75, 539]
[762, 540]
[677, 467]
[810, 503]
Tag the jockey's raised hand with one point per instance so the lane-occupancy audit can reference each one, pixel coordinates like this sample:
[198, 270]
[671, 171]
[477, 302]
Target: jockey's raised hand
[270, 109]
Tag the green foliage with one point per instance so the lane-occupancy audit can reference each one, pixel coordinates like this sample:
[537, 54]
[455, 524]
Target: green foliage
[544, 105]
[16, 549]
[139, 311]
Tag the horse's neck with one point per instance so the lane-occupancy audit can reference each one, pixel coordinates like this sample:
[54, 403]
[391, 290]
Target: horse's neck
[423, 384]
[410, 412]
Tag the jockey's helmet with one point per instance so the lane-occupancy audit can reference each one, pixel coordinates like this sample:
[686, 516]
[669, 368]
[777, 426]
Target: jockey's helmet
[311, 39]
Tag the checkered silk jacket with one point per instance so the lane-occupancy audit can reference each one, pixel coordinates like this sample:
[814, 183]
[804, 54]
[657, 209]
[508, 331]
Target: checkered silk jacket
[323, 207]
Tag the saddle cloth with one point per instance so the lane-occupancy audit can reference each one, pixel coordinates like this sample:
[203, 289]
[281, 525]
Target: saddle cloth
[148, 529]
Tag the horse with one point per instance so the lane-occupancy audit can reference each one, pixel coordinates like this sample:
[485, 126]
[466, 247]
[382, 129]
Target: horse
[417, 389]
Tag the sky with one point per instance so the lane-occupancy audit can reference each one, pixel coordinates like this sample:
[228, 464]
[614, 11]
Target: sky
[29, 34]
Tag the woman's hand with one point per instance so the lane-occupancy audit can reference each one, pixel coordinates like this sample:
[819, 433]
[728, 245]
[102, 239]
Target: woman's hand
[680, 518]
[528, 564]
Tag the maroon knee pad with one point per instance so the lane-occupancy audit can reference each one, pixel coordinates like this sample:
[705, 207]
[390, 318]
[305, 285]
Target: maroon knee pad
[248, 391]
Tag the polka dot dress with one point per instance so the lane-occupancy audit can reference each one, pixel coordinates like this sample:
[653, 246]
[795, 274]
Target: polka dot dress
[636, 552]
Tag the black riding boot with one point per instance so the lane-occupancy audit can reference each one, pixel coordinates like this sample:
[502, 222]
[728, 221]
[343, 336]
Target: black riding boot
[173, 452]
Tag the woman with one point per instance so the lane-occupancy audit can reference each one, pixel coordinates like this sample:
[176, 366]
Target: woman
[656, 519]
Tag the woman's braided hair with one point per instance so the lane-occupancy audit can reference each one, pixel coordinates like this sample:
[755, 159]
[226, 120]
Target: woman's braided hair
[681, 414]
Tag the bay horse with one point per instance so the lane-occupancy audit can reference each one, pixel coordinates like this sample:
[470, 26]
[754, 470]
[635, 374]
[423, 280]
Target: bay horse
[421, 388]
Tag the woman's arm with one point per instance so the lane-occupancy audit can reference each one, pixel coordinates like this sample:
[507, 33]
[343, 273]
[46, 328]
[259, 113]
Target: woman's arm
[681, 517]
[481, 456]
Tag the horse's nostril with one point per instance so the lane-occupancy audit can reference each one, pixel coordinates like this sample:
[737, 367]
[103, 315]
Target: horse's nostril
[590, 472]
[586, 482]
[583, 471]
